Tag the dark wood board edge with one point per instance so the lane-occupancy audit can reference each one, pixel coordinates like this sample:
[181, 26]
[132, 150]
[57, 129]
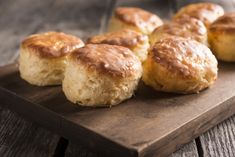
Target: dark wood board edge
[64, 127]
[8, 68]
[187, 132]
[104, 146]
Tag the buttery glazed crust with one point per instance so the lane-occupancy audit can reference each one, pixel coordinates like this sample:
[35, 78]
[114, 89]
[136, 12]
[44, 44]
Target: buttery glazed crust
[112, 60]
[221, 36]
[137, 17]
[51, 44]
[181, 56]
[225, 23]
[125, 37]
[179, 65]
[186, 27]
[192, 25]
[206, 12]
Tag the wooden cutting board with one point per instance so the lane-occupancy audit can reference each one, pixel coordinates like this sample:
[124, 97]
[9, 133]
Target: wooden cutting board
[150, 124]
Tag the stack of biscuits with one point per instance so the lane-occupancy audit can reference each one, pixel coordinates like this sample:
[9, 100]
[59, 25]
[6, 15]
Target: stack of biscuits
[177, 56]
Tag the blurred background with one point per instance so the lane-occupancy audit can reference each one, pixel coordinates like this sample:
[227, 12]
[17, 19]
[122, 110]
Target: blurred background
[83, 18]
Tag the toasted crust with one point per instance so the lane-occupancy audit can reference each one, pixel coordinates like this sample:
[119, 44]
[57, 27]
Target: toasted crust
[137, 16]
[43, 57]
[221, 36]
[186, 27]
[181, 56]
[51, 44]
[125, 37]
[225, 23]
[101, 75]
[135, 41]
[206, 12]
[179, 65]
[134, 18]
[112, 60]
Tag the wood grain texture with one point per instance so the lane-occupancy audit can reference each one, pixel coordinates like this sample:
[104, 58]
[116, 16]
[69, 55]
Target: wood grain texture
[220, 141]
[18, 19]
[21, 138]
[163, 9]
[72, 16]
[77, 17]
[50, 21]
[76, 150]
[187, 150]
[17, 136]
[131, 128]
[37, 99]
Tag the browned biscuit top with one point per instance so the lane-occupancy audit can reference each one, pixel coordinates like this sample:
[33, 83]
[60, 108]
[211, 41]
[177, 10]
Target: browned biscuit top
[186, 26]
[206, 12]
[182, 56]
[125, 37]
[112, 60]
[51, 44]
[137, 17]
[225, 23]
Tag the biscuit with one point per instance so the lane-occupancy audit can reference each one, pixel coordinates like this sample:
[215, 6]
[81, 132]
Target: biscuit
[206, 12]
[221, 36]
[43, 57]
[134, 18]
[131, 39]
[186, 27]
[101, 75]
[179, 65]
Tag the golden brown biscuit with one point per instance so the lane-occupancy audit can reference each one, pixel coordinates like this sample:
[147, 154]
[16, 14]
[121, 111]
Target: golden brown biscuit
[131, 39]
[221, 36]
[206, 12]
[134, 18]
[101, 75]
[186, 27]
[43, 57]
[179, 65]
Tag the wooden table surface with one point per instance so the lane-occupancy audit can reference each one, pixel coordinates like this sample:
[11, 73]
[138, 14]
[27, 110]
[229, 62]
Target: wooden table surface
[83, 18]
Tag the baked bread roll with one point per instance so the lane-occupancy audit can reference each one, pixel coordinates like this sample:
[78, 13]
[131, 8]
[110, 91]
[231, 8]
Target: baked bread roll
[186, 27]
[101, 75]
[131, 39]
[43, 57]
[221, 36]
[134, 18]
[179, 65]
[206, 12]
